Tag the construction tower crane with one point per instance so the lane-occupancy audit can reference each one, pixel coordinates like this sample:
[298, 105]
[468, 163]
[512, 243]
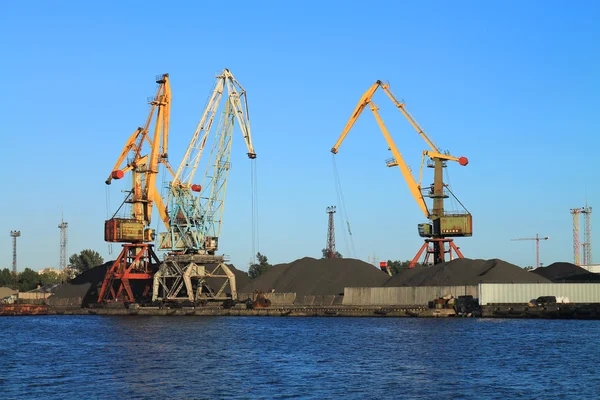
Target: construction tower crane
[196, 210]
[443, 225]
[137, 262]
[537, 239]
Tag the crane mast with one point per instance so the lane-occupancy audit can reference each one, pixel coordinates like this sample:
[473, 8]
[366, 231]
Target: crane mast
[137, 261]
[196, 210]
[443, 225]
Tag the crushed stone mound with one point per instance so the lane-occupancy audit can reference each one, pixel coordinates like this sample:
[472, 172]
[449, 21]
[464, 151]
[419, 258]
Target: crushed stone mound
[464, 271]
[564, 272]
[85, 285]
[309, 276]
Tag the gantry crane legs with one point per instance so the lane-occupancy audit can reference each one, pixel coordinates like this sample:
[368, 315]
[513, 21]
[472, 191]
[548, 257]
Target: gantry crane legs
[443, 225]
[137, 262]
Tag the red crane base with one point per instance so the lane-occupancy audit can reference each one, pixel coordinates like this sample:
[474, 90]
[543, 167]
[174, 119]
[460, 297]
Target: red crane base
[137, 262]
[439, 243]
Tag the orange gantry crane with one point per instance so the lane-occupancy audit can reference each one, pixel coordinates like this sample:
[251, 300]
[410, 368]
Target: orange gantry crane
[443, 226]
[137, 262]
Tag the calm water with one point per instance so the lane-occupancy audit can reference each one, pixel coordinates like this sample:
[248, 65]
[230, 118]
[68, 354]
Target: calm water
[261, 357]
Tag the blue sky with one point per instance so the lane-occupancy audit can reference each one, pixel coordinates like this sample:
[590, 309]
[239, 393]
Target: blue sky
[511, 85]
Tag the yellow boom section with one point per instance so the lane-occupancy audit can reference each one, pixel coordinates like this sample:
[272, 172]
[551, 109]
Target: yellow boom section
[415, 189]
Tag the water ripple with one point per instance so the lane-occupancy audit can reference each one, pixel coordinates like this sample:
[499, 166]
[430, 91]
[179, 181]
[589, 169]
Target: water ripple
[73, 357]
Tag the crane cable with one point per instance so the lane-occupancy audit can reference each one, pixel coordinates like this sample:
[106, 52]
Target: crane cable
[108, 213]
[254, 189]
[348, 239]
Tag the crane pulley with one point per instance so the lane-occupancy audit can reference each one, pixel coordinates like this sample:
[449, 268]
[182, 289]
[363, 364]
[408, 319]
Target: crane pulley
[443, 225]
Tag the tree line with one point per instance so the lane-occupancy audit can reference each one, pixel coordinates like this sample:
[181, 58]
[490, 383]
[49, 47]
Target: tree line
[28, 279]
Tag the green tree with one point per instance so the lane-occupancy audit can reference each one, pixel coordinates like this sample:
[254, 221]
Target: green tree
[28, 280]
[325, 253]
[6, 277]
[398, 266]
[85, 260]
[263, 266]
[528, 268]
[50, 278]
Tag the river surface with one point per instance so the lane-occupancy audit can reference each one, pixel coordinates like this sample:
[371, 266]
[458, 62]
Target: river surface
[98, 357]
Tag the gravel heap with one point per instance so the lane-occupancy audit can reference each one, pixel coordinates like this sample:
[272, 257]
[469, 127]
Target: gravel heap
[309, 276]
[464, 271]
[563, 272]
[85, 285]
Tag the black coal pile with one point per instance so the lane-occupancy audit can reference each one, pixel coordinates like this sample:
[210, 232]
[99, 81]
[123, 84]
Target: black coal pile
[85, 285]
[563, 272]
[464, 271]
[308, 276]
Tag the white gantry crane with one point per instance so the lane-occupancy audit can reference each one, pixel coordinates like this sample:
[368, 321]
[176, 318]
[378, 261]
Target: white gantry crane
[196, 210]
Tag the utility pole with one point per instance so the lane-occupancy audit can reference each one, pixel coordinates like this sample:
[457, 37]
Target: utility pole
[63, 249]
[537, 239]
[15, 235]
[331, 252]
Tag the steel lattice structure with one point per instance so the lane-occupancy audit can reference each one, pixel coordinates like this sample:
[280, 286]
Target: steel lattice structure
[15, 235]
[331, 252]
[63, 247]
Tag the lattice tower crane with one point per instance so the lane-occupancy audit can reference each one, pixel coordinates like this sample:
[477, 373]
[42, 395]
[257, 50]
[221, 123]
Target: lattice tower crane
[443, 225]
[196, 210]
[135, 266]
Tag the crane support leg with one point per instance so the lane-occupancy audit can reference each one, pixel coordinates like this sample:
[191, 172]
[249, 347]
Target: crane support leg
[416, 258]
[438, 251]
[135, 266]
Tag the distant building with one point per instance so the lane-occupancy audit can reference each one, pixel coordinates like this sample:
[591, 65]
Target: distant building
[595, 268]
[7, 295]
[48, 270]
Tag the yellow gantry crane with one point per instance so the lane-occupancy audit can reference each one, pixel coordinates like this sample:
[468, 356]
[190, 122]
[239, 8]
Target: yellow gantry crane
[137, 261]
[443, 225]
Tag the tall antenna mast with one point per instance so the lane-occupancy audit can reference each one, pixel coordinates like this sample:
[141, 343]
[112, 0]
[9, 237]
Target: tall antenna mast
[63, 248]
[15, 235]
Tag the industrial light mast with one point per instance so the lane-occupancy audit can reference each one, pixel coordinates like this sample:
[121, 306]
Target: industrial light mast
[576, 235]
[15, 235]
[63, 248]
[587, 235]
[331, 251]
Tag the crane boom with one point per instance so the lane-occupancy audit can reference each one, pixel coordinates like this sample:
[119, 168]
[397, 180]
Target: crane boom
[187, 168]
[414, 187]
[194, 223]
[144, 168]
